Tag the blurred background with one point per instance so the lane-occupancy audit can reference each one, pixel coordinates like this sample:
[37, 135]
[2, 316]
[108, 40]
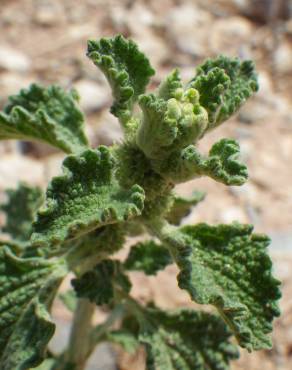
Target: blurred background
[44, 41]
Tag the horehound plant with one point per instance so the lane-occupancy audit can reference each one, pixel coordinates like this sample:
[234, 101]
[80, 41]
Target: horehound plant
[107, 194]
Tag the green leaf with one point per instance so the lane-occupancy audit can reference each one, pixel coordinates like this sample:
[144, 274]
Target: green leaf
[20, 210]
[169, 86]
[182, 207]
[48, 364]
[86, 197]
[148, 257]
[47, 114]
[27, 288]
[124, 339]
[99, 284]
[170, 125]
[227, 266]
[69, 299]
[224, 84]
[126, 68]
[186, 340]
[222, 164]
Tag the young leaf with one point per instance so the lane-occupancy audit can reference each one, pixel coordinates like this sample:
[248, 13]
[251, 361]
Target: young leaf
[20, 211]
[222, 164]
[47, 114]
[26, 292]
[126, 68]
[224, 84]
[170, 125]
[86, 197]
[149, 257]
[99, 284]
[227, 266]
[186, 340]
[170, 85]
[182, 207]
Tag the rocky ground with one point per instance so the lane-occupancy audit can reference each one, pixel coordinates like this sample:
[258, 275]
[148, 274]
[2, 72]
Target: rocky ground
[45, 41]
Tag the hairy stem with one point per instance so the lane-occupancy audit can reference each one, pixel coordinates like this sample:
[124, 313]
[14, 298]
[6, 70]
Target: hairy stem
[79, 343]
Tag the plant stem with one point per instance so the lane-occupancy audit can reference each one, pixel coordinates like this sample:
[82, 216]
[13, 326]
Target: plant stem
[79, 343]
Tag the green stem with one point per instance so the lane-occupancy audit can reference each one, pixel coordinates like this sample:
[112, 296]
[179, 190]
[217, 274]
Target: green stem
[98, 333]
[79, 348]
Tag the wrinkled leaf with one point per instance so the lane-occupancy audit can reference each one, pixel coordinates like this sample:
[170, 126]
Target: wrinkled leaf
[27, 287]
[186, 340]
[170, 125]
[87, 196]
[20, 210]
[99, 284]
[228, 266]
[222, 164]
[224, 84]
[169, 86]
[47, 114]
[126, 68]
[148, 257]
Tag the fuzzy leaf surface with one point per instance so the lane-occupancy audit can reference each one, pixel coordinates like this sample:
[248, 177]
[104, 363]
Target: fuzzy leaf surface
[222, 164]
[182, 206]
[169, 125]
[98, 284]
[186, 340]
[87, 196]
[47, 114]
[148, 257]
[224, 84]
[20, 210]
[228, 266]
[27, 287]
[126, 68]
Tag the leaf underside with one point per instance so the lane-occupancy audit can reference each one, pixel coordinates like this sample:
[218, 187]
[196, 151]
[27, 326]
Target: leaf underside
[86, 197]
[186, 340]
[98, 284]
[47, 114]
[227, 266]
[20, 211]
[148, 257]
[27, 287]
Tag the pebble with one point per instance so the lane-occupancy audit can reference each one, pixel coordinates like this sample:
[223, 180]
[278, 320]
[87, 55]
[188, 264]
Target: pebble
[93, 96]
[186, 26]
[15, 168]
[13, 60]
[223, 33]
[283, 58]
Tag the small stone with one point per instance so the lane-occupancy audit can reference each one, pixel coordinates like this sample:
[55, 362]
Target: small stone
[108, 131]
[15, 168]
[283, 58]
[93, 96]
[11, 83]
[13, 60]
[187, 26]
[223, 34]
[233, 214]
